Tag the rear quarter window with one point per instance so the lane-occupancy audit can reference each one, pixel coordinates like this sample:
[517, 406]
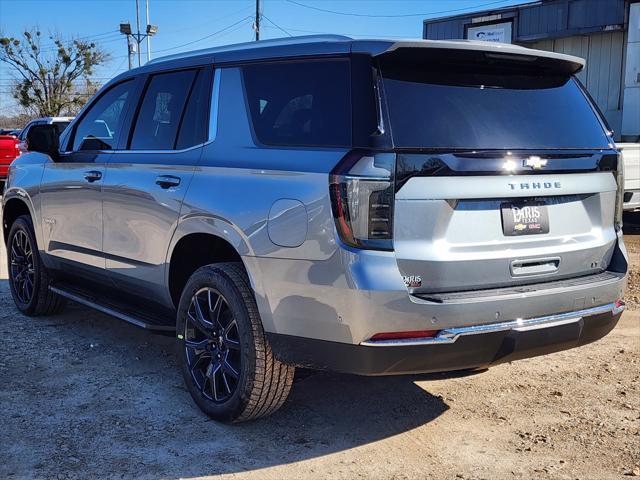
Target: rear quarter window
[303, 103]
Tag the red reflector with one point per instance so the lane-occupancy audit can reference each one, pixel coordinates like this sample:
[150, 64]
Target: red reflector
[404, 335]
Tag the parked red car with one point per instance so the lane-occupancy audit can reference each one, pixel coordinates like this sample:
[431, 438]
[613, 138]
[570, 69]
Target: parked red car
[9, 150]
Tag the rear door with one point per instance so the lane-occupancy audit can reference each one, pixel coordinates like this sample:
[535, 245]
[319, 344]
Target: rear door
[504, 175]
[146, 181]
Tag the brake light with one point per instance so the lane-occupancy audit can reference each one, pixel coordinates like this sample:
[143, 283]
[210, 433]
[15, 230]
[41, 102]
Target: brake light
[362, 196]
[378, 337]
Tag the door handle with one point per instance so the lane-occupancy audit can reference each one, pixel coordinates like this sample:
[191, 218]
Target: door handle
[92, 176]
[168, 181]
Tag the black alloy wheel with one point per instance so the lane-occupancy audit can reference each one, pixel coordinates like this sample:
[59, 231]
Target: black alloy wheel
[212, 344]
[29, 279]
[222, 350]
[21, 265]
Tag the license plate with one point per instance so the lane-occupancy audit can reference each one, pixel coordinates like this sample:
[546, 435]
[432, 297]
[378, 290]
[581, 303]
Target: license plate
[524, 218]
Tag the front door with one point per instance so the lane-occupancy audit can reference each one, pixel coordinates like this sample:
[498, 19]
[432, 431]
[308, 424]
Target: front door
[71, 188]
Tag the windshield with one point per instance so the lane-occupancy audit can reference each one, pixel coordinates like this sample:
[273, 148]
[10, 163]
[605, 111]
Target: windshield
[460, 109]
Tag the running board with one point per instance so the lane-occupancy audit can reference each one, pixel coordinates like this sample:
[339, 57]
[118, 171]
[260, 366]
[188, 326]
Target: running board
[139, 319]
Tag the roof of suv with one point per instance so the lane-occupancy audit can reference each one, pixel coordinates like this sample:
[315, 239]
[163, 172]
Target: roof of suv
[337, 44]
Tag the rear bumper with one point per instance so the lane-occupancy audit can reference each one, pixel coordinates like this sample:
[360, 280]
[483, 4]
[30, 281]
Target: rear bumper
[453, 349]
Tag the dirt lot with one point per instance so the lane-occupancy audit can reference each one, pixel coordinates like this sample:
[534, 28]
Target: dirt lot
[86, 396]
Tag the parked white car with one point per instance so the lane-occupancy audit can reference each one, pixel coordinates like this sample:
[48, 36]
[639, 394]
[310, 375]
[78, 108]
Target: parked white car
[631, 157]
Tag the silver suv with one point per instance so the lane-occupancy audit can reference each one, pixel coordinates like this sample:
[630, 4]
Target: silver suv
[372, 207]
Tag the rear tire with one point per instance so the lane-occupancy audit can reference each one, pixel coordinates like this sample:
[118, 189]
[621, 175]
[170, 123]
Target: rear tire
[29, 280]
[223, 353]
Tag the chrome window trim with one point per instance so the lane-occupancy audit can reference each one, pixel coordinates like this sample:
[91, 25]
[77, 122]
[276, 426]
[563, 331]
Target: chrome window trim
[215, 101]
[213, 125]
[450, 335]
[200, 145]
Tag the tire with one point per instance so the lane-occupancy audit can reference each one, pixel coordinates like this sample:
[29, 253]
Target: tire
[225, 358]
[28, 278]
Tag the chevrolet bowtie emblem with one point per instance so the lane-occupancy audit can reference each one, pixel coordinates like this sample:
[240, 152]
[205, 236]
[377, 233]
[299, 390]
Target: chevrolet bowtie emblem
[536, 163]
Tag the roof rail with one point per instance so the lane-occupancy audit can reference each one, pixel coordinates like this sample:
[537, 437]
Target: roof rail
[275, 42]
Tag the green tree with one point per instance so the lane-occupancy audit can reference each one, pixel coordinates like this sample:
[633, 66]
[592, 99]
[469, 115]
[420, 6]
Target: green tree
[53, 81]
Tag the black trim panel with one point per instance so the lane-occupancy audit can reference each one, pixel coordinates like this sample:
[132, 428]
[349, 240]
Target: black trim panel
[54, 245]
[450, 163]
[468, 352]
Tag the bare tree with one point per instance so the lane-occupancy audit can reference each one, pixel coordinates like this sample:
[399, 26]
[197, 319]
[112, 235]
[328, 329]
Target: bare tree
[55, 80]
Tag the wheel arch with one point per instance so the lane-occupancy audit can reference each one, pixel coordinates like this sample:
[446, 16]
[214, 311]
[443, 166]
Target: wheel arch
[13, 208]
[203, 240]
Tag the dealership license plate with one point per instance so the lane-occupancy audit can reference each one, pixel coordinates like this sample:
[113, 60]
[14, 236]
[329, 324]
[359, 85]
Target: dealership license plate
[524, 218]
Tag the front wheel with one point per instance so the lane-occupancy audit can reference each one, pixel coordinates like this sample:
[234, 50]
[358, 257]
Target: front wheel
[28, 278]
[225, 358]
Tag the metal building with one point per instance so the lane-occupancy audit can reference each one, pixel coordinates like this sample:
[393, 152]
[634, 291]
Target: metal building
[604, 32]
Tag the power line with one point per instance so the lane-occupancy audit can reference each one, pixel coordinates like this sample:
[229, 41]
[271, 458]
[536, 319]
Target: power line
[324, 32]
[208, 24]
[276, 25]
[349, 14]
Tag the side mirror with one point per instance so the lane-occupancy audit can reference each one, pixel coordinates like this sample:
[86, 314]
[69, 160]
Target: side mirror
[44, 139]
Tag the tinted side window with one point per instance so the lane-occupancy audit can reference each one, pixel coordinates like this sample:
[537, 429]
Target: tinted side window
[193, 130]
[159, 118]
[99, 128]
[300, 103]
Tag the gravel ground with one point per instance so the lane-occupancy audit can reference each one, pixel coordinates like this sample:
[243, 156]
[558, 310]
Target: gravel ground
[87, 396]
[632, 240]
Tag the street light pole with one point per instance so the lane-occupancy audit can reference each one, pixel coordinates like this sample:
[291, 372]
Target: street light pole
[134, 40]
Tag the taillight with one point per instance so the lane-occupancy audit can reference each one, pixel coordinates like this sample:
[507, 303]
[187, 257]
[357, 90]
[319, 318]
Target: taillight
[619, 193]
[362, 196]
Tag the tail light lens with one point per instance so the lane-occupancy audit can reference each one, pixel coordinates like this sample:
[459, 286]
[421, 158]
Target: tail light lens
[620, 193]
[362, 195]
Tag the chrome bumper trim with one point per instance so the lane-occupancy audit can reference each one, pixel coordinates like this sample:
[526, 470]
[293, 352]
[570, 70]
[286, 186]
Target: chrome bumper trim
[450, 335]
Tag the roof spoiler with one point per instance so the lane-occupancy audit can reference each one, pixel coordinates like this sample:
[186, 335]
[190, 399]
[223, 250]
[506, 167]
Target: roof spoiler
[483, 53]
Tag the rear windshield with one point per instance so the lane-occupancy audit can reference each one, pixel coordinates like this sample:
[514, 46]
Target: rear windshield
[440, 109]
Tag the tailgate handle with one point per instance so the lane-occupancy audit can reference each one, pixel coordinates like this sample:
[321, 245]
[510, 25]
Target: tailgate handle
[537, 266]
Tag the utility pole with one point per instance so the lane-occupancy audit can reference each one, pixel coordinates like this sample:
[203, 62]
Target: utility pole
[256, 25]
[125, 29]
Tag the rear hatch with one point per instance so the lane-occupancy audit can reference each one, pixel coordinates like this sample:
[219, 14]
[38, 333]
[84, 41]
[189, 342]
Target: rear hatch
[505, 174]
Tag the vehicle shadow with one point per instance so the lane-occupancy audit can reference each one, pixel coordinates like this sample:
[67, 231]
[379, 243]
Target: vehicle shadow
[110, 399]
